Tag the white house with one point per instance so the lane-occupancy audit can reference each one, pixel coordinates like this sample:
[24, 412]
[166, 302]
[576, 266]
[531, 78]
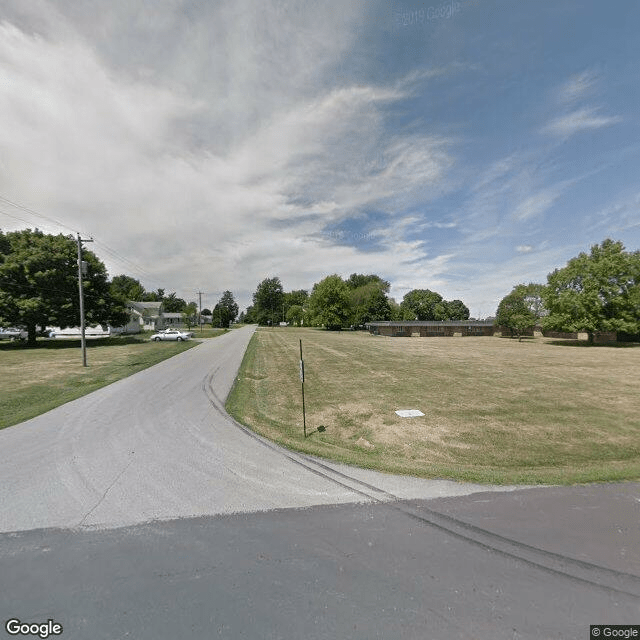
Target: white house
[143, 316]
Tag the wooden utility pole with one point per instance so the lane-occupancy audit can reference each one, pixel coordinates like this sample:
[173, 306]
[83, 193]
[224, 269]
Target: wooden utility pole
[81, 267]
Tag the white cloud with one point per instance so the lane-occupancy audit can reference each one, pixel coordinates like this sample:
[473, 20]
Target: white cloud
[107, 150]
[537, 204]
[577, 86]
[524, 248]
[579, 120]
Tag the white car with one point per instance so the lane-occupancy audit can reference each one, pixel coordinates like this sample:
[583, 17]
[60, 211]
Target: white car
[11, 333]
[171, 334]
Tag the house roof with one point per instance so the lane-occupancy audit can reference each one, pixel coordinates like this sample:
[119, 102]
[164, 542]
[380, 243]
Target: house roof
[146, 308]
[431, 323]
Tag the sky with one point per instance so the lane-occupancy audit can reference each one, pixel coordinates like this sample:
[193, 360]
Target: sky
[463, 147]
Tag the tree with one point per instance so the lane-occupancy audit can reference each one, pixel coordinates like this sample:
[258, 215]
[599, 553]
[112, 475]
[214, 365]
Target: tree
[369, 302]
[39, 284]
[329, 302]
[357, 280]
[173, 304]
[154, 296]
[249, 317]
[396, 310]
[221, 316]
[295, 314]
[267, 301]
[206, 312]
[296, 298]
[456, 310]
[423, 304]
[189, 314]
[599, 291]
[127, 288]
[514, 314]
[230, 305]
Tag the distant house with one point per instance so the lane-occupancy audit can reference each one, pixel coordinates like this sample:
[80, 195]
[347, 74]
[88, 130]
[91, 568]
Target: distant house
[143, 316]
[75, 332]
[427, 328]
[172, 320]
[146, 316]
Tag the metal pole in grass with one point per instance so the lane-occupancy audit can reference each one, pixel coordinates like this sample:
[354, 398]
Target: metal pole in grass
[304, 417]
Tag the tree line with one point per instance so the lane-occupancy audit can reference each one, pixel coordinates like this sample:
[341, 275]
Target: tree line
[596, 291]
[335, 303]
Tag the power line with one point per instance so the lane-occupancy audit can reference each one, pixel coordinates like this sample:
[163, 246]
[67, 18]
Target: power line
[112, 252]
[35, 213]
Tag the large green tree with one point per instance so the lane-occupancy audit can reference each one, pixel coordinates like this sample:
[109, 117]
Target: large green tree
[227, 301]
[357, 280]
[295, 315]
[39, 284]
[267, 302]
[514, 314]
[297, 298]
[596, 291]
[521, 309]
[173, 304]
[369, 302]
[456, 310]
[127, 288]
[423, 304]
[190, 314]
[329, 303]
[154, 296]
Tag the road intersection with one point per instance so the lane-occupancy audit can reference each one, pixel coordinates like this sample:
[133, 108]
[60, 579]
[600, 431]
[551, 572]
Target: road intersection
[149, 485]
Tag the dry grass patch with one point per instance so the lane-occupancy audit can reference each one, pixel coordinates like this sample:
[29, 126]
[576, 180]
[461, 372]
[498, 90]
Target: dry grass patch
[35, 380]
[497, 410]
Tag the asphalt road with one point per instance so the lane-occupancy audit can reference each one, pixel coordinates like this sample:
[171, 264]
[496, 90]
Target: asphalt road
[144, 511]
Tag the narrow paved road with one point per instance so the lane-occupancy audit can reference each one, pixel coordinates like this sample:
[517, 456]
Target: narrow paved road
[159, 445]
[143, 511]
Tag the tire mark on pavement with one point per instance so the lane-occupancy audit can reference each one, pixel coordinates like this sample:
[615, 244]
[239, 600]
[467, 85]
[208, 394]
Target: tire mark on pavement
[558, 564]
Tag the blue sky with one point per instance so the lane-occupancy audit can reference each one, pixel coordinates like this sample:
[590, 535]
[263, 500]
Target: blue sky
[463, 147]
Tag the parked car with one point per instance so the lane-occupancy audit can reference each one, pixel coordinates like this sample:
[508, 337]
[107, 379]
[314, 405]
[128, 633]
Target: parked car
[171, 334]
[11, 333]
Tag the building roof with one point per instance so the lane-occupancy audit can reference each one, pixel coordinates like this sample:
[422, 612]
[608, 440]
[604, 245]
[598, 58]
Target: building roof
[146, 307]
[430, 323]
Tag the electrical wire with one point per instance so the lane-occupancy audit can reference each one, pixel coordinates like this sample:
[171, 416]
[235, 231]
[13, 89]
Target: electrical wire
[112, 252]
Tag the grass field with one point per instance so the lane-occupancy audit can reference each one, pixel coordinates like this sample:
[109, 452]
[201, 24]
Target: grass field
[496, 410]
[35, 380]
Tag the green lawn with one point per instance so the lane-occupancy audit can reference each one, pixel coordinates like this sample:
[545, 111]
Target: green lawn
[497, 410]
[37, 379]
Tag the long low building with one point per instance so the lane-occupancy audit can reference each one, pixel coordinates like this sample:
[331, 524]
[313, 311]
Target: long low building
[430, 328]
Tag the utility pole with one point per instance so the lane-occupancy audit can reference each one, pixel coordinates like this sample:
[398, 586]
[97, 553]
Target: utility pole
[200, 310]
[81, 269]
